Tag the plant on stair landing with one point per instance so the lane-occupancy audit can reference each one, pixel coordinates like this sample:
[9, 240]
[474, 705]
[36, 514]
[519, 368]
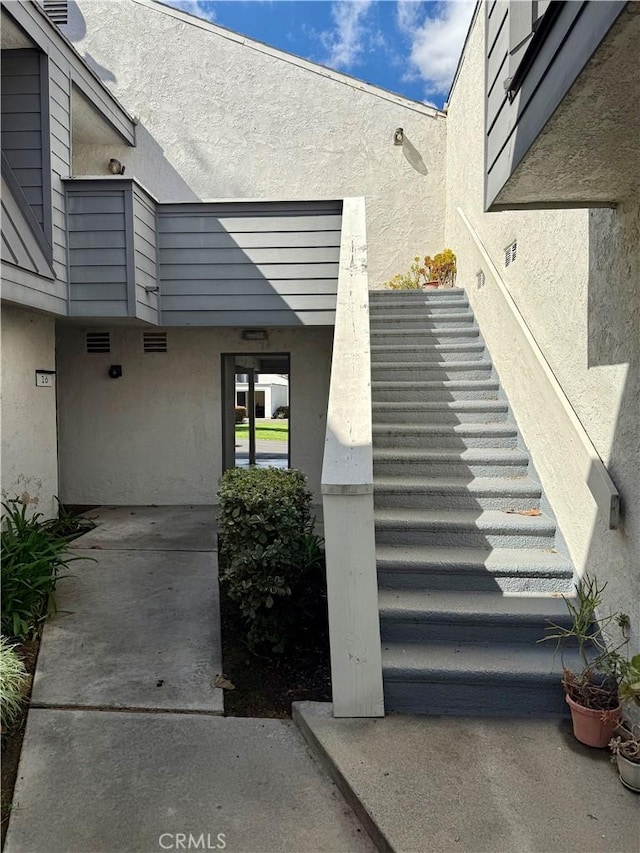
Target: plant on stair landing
[626, 745]
[592, 693]
[439, 271]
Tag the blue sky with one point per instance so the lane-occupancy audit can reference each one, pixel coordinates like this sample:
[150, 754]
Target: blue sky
[407, 46]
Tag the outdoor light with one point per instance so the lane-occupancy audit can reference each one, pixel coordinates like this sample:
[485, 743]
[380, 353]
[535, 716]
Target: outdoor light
[398, 136]
[115, 371]
[116, 167]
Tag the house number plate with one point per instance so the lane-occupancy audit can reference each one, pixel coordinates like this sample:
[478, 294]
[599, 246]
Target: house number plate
[45, 378]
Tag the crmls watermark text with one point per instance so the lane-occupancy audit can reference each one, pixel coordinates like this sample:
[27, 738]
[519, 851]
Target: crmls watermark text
[191, 841]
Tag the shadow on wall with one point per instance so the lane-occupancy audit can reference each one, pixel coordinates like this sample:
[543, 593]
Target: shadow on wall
[75, 30]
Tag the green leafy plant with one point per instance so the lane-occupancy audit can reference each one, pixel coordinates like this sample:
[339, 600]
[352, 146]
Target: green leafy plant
[441, 269]
[32, 557]
[240, 414]
[13, 681]
[268, 550]
[596, 686]
[67, 523]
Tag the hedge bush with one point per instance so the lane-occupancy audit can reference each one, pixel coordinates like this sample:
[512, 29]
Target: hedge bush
[268, 551]
[282, 413]
[13, 682]
[241, 414]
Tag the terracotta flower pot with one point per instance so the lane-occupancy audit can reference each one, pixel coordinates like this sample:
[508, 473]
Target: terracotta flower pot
[431, 285]
[591, 727]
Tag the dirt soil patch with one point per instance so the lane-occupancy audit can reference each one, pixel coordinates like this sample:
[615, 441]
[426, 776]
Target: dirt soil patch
[265, 686]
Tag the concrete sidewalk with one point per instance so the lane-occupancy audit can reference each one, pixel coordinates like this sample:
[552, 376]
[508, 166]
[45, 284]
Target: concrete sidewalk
[125, 749]
[474, 785]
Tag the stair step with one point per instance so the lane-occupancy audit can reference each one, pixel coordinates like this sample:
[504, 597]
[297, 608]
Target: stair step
[481, 680]
[428, 372]
[417, 295]
[463, 528]
[456, 493]
[435, 616]
[452, 304]
[426, 353]
[473, 462]
[443, 335]
[434, 390]
[444, 435]
[511, 570]
[426, 319]
[450, 412]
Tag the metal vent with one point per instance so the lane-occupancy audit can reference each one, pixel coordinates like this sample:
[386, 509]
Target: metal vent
[154, 341]
[510, 253]
[480, 279]
[98, 341]
[57, 11]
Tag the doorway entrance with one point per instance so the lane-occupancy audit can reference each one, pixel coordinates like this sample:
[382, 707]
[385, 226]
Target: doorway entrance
[255, 412]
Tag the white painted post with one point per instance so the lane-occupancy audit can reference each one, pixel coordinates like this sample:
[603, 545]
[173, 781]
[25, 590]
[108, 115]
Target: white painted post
[347, 488]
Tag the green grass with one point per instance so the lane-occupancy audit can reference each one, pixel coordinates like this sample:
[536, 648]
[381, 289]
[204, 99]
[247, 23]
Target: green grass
[269, 430]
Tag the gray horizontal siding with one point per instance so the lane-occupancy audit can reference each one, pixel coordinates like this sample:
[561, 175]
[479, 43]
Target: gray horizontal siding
[145, 255]
[97, 251]
[512, 126]
[249, 263]
[22, 142]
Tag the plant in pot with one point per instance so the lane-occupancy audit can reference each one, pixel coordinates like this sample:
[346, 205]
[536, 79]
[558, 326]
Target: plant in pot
[626, 745]
[426, 273]
[592, 692]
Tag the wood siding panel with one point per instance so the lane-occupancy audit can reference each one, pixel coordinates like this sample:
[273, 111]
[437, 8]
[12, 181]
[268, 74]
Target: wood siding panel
[145, 256]
[22, 142]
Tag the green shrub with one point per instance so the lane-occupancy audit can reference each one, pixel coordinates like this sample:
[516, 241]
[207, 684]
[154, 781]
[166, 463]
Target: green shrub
[282, 413]
[268, 551]
[240, 413]
[32, 557]
[13, 681]
[68, 523]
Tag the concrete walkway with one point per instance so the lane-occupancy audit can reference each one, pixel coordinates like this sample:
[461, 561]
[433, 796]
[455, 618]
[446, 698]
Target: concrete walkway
[439, 785]
[126, 750]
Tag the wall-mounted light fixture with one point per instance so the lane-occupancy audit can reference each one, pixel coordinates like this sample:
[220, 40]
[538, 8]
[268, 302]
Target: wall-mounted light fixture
[115, 371]
[398, 136]
[116, 167]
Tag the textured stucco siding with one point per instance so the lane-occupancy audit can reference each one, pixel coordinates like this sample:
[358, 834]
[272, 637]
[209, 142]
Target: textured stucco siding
[575, 283]
[154, 436]
[223, 119]
[29, 464]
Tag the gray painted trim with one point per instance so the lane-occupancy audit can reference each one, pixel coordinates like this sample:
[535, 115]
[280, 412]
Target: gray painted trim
[45, 130]
[32, 18]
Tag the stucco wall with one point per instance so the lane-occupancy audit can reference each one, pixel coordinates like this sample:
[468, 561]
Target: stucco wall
[224, 117]
[29, 463]
[575, 283]
[154, 436]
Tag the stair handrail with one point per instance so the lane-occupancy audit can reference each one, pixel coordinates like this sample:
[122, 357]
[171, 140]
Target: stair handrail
[599, 481]
[347, 487]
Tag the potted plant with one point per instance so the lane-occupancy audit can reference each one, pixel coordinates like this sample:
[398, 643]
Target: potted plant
[626, 746]
[427, 273]
[592, 692]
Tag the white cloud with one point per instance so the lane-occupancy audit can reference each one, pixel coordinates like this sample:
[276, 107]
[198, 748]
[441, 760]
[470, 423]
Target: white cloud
[436, 39]
[347, 41]
[199, 8]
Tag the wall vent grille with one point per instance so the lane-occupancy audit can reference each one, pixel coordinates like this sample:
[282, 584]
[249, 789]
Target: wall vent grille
[510, 253]
[98, 341]
[57, 11]
[154, 341]
[480, 279]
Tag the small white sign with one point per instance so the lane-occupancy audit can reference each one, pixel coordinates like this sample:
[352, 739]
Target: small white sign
[45, 378]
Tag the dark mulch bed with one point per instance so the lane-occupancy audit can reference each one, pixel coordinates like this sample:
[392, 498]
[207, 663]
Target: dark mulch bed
[267, 684]
[12, 739]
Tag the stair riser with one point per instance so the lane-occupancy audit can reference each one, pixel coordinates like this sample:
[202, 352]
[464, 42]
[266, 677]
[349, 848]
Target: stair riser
[430, 500]
[408, 416]
[427, 359]
[431, 373]
[425, 323]
[418, 309]
[433, 628]
[415, 468]
[432, 394]
[460, 538]
[472, 580]
[536, 698]
[433, 441]
[446, 294]
[426, 337]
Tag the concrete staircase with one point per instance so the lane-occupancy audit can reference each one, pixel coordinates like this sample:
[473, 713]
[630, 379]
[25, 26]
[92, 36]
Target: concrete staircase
[466, 583]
